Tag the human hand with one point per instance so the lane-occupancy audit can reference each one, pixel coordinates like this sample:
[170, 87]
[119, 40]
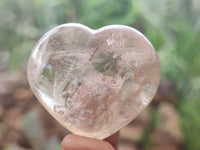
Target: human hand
[76, 142]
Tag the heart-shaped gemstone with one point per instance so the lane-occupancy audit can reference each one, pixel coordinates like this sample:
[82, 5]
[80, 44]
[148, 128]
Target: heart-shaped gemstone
[94, 82]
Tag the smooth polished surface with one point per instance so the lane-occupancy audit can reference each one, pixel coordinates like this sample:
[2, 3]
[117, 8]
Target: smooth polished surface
[94, 82]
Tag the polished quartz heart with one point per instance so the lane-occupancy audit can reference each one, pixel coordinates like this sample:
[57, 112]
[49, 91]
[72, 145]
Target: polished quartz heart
[94, 82]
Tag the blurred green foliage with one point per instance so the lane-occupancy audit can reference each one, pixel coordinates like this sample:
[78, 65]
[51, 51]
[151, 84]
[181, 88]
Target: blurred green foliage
[173, 27]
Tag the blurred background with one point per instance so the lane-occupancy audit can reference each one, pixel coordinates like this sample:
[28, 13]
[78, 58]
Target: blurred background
[171, 122]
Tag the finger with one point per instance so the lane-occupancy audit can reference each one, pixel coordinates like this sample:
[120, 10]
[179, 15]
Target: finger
[113, 140]
[76, 142]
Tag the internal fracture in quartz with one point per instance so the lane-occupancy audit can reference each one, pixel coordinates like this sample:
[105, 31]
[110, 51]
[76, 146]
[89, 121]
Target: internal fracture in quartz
[94, 81]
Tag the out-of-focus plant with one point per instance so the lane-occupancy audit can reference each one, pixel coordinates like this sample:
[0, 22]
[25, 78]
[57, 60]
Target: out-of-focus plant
[22, 23]
[174, 29]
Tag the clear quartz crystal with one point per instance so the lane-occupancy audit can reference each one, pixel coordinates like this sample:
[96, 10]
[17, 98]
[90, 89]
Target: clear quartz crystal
[94, 82]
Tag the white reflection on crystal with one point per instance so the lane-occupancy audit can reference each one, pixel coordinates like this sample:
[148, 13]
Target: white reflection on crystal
[48, 101]
[109, 41]
[145, 101]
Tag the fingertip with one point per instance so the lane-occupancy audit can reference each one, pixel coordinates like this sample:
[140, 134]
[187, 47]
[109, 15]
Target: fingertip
[67, 141]
[76, 142]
